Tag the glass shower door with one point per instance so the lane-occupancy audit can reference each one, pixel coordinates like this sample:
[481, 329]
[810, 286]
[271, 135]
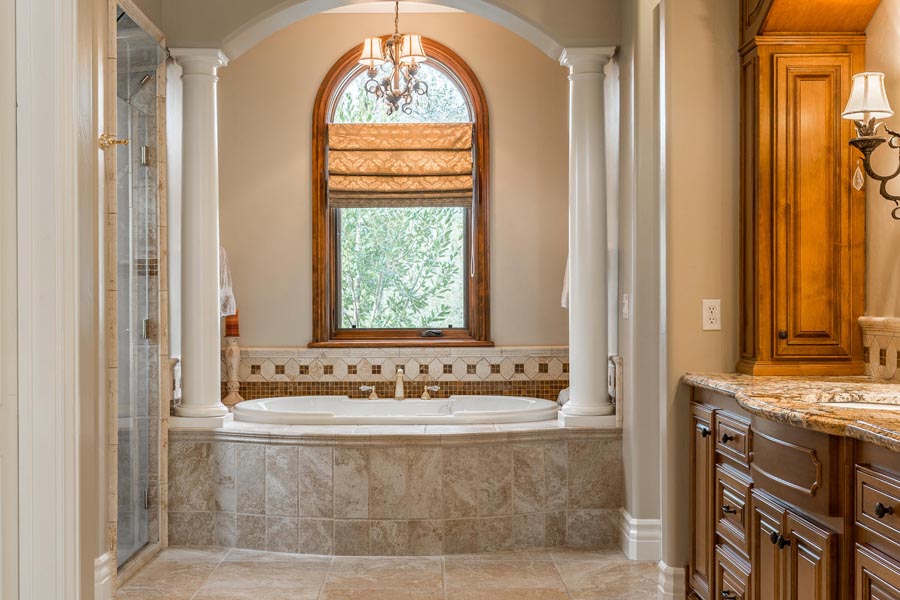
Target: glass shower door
[137, 289]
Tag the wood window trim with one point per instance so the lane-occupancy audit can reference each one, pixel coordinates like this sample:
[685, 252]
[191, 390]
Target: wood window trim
[325, 276]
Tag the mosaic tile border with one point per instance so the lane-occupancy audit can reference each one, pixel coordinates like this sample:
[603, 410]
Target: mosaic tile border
[881, 346]
[508, 363]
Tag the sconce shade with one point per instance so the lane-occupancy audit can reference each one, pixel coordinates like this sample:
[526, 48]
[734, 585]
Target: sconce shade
[868, 99]
[411, 49]
[372, 53]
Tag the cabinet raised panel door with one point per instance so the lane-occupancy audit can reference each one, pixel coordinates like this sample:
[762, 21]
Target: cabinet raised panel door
[810, 559]
[766, 525]
[702, 515]
[877, 578]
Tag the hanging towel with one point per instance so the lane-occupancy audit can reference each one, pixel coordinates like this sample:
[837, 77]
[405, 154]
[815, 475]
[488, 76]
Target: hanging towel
[227, 303]
[564, 301]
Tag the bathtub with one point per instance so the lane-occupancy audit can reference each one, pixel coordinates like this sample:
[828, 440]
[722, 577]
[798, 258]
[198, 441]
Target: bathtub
[342, 410]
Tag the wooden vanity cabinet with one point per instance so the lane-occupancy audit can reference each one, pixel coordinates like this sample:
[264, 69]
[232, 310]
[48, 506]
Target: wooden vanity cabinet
[702, 490]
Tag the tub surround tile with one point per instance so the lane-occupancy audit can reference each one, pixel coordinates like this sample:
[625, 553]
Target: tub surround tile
[315, 536]
[225, 529]
[351, 538]
[424, 482]
[528, 478]
[281, 534]
[250, 478]
[282, 475]
[190, 482]
[351, 483]
[495, 480]
[316, 489]
[529, 531]
[426, 538]
[460, 481]
[495, 534]
[191, 528]
[592, 527]
[389, 538]
[251, 532]
[387, 483]
[554, 529]
[224, 462]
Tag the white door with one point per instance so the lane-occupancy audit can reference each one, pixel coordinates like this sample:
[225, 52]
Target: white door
[8, 417]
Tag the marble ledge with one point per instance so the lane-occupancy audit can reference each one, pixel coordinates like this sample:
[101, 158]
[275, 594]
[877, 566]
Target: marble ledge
[239, 431]
[805, 402]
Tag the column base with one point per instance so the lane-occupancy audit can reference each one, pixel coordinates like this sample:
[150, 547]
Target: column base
[592, 421]
[200, 422]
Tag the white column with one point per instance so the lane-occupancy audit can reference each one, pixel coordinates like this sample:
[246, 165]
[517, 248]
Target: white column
[589, 404]
[201, 339]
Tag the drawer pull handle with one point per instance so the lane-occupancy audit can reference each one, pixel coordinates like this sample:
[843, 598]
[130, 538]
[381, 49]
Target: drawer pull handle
[781, 543]
[729, 595]
[728, 510]
[705, 432]
[881, 510]
[726, 438]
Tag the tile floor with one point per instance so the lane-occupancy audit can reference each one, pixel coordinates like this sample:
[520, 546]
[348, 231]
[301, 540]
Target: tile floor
[231, 574]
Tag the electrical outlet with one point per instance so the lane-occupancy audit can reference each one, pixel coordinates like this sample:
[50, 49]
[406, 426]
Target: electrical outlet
[712, 315]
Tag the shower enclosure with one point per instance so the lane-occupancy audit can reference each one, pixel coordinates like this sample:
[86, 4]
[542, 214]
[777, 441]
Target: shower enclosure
[138, 59]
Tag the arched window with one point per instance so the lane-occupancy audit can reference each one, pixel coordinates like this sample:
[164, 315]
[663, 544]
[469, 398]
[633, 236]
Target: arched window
[400, 210]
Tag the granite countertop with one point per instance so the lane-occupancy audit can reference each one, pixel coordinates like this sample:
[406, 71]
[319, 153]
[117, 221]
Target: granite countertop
[805, 402]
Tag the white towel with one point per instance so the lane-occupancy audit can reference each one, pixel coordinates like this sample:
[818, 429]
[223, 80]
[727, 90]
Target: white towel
[564, 301]
[227, 303]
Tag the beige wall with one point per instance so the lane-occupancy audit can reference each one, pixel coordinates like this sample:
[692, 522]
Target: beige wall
[569, 22]
[702, 204]
[883, 235]
[265, 106]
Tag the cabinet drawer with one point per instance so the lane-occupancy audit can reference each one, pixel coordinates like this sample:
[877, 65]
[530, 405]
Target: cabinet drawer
[878, 502]
[732, 575]
[733, 437]
[877, 578]
[731, 507]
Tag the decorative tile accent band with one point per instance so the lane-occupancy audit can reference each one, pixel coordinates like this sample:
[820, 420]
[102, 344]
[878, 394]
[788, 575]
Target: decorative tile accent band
[539, 372]
[396, 499]
[881, 346]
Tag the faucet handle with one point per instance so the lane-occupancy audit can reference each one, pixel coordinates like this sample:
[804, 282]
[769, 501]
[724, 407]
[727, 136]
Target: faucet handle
[429, 388]
[371, 390]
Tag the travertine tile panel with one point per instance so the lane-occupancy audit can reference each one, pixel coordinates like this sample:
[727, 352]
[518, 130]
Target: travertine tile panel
[281, 534]
[225, 529]
[223, 472]
[495, 534]
[251, 532]
[316, 536]
[426, 537]
[425, 482]
[528, 478]
[190, 481]
[555, 529]
[316, 488]
[460, 536]
[389, 538]
[281, 481]
[556, 477]
[351, 483]
[528, 531]
[495, 480]
[460, 489]
[250, 478]
[351, 538]
[592, 527]
[387, 483]
[191, 528]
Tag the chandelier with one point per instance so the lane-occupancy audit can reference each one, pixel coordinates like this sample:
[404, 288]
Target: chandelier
[398, 59]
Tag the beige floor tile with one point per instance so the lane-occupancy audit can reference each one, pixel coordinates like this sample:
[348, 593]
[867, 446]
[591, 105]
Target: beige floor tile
[296, 575]
[148, 594]
[265, 593]
[191, 555]
[531, 554]
[591, 554]
[419, 573]
[380, 594]
[475, 573]
[170, 577]
[508, 594]
[607, 576]
[253, 556]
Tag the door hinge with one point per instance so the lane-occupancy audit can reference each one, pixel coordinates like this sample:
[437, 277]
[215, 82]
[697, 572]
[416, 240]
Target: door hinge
[145, 329]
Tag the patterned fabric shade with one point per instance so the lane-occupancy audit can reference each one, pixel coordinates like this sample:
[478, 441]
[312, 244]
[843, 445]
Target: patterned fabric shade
[391, 165]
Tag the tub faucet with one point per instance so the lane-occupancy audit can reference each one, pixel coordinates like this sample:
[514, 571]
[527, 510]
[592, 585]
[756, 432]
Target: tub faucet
[426, 395]
[398, 388]
[370, 389]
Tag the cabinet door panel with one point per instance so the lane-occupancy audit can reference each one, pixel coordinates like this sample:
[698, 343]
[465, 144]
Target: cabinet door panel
[876, 577]
[810, 560]
[702, 490]
[767, 573]
[811, 207]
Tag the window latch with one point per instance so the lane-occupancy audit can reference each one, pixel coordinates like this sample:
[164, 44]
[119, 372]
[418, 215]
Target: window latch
[432, 333]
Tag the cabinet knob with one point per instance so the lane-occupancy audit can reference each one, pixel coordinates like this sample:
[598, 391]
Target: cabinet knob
[726, 438]
[782, 542]
[728, 510]
[705, 432]
[773, 537]
[782, 334]
[881, 510]
[729, 595]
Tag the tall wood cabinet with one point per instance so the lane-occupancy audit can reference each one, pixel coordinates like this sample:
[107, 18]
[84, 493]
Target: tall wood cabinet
[802, 223]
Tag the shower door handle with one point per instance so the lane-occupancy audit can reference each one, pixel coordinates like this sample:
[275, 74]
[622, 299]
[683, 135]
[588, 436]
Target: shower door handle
[107, 141]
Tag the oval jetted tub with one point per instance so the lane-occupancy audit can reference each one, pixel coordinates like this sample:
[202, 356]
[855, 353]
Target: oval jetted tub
[342, 410]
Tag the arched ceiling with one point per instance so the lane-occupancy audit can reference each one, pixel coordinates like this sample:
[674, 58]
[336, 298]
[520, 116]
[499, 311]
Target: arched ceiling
[237, 25]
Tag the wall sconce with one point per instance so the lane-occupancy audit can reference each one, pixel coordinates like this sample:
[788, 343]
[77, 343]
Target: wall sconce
[867, 106]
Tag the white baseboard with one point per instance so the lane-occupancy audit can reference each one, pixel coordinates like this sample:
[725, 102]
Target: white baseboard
[670, 585]
[640, 539]
[105, 577]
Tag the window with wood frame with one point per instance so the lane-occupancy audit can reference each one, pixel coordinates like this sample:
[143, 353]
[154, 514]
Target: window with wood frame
[400, 210]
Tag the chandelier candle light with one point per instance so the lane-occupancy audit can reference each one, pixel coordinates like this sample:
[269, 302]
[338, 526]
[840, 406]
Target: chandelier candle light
[402, 54]
[867, 107]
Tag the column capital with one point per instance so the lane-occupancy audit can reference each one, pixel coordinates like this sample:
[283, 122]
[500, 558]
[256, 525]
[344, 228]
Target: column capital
[586, 59]
[199, 59]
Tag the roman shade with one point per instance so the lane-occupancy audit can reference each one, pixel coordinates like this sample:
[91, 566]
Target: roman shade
[395, 165]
